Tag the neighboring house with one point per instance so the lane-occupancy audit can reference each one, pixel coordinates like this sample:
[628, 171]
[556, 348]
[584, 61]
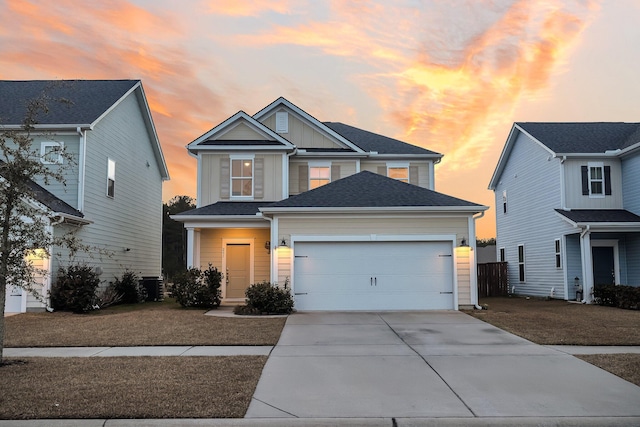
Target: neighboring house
[113, 191]
[347, 218]
[567, 207]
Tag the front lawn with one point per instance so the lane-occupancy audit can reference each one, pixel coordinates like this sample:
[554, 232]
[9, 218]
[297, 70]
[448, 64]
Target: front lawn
[150, 323]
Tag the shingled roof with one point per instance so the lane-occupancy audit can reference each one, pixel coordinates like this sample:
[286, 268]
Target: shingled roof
[227, 208]
[599, 216]
[368, 189]
[370, 141]
[73, 102]
[597, 137]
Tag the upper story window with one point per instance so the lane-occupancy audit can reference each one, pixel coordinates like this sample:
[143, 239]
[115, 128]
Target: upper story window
[502, 255]
[504, 201]
[596, 180]
[242, 177]
[399, 171]
[319, 175]
[51, 152]
[111, 178]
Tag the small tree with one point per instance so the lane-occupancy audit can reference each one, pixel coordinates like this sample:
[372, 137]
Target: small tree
[24, 222]
[174, 238]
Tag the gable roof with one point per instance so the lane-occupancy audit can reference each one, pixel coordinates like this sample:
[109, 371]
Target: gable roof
[569, 138]
[374, 142]
[73, 104]
[208, 141]
[70, 102]
[370, 190]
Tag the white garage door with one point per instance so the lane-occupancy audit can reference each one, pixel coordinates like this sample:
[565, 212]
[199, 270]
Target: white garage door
[373, 275]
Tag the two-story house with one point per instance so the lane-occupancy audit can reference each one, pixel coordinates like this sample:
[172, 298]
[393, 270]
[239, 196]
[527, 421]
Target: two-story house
[347, 218]
[567, 207]
[112, 196]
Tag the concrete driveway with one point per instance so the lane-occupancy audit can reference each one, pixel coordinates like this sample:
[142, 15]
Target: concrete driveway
[416, 365]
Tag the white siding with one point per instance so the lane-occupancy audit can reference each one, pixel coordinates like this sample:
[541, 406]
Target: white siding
[631, 183]
[532, 183]
[573, 185]
[133, 218]
[300, 133]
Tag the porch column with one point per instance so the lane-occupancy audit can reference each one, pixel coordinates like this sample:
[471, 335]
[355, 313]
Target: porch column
[587, 265]
[193, 247]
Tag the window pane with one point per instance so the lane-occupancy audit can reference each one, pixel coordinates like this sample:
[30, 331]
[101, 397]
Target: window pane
[521, 272]
[596, 187]
[236, 168]
[315, 183]
[520, 253]
[401, 174]
[557, 246]
[596, 173]
[319, 172]
[236, 187]
[111, 188]
[246, 168]
[557, 261]
[246, 187]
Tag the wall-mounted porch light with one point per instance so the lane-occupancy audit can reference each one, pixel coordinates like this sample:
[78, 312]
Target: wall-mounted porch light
[463, 243]
[283, 242]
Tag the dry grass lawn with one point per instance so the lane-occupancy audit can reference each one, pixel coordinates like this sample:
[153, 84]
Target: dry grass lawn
[561, 322]
[151, 323]
[626, 366]
[129, 387]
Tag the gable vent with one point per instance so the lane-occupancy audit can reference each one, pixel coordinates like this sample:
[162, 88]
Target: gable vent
[282, 122]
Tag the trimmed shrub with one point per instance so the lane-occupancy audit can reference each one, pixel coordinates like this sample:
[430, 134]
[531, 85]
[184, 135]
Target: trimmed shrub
[75, 289]
[265, 298]
[196, 288]
[620, 296]
[130, 288]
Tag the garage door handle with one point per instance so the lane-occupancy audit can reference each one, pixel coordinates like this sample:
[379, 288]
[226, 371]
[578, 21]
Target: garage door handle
[444, 255]
[370, 281]
[446, 292]
[375, 281]
[301, 293]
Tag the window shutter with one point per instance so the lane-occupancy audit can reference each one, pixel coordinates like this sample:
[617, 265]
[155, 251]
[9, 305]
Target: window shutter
[382, 170]
[585, 180]
[303, 178]
[335, 172]
[607, 180]
[413, 175]
[258, 178]
[225, 178]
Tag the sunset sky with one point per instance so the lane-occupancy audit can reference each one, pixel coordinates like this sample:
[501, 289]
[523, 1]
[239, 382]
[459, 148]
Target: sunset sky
[448, 75]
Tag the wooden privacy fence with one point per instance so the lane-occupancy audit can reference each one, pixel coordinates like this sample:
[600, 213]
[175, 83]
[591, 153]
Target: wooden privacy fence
[492, 279]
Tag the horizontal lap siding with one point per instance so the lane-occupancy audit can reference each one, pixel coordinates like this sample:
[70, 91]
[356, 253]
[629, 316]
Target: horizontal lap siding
[463, 271]
[633, 257]
[133, 218]
[532, 181]
[630, 180]
[211, 248]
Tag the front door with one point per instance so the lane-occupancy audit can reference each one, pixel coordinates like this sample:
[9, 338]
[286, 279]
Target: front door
[238, 270]
[603, 265]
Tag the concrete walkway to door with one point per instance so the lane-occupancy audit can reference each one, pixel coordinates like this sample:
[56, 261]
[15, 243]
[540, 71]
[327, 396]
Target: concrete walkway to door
[414, 366]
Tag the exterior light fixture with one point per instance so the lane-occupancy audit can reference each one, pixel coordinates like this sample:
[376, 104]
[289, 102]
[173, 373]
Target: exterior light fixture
[463, 242]
[283, 242]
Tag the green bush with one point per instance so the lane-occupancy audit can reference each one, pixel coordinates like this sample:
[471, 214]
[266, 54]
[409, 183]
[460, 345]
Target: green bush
[265, 298]
[130, 288]
[196, 288]
[75, 289]
[617, 296]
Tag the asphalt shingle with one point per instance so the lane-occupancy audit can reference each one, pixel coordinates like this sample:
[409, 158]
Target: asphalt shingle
[599, 215]
[227, 208]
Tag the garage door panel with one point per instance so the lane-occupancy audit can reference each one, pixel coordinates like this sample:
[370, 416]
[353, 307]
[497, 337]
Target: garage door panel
[373, 275]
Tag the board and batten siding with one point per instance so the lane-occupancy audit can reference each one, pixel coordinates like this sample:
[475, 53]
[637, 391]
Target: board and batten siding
[368, 226]
[573, 185]
[531, 180]
[631, 183]
[241, 132]
[423, 170]
[301, 134]
[133, 218]
[211, 248]
[210, 182]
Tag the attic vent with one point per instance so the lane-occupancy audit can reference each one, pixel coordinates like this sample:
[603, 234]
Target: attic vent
[282, 122]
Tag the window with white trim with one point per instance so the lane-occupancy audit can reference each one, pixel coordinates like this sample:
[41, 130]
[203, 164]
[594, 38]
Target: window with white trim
[51, 152]
[558, 249]
[502, 255]
[242, 177]
[521, 263]
[319, 175]
[399, 171]
[596, 179]
[111, 178]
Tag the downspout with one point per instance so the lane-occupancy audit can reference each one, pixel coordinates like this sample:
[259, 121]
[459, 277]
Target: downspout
[475, 269]
[82, 155]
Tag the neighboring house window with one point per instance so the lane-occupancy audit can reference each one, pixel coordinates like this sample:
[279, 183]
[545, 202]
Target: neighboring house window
[504, 201]
[399, 171]
[242, 177]
[596, 179]
[558, 252]
[51, 153]
[521, 263]
[111, 178]
[319, 176]
[282, 122]
[502, 256]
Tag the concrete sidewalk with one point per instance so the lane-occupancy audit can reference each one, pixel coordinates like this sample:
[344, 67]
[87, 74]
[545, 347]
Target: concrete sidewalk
[435, 365]
[263, 350]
